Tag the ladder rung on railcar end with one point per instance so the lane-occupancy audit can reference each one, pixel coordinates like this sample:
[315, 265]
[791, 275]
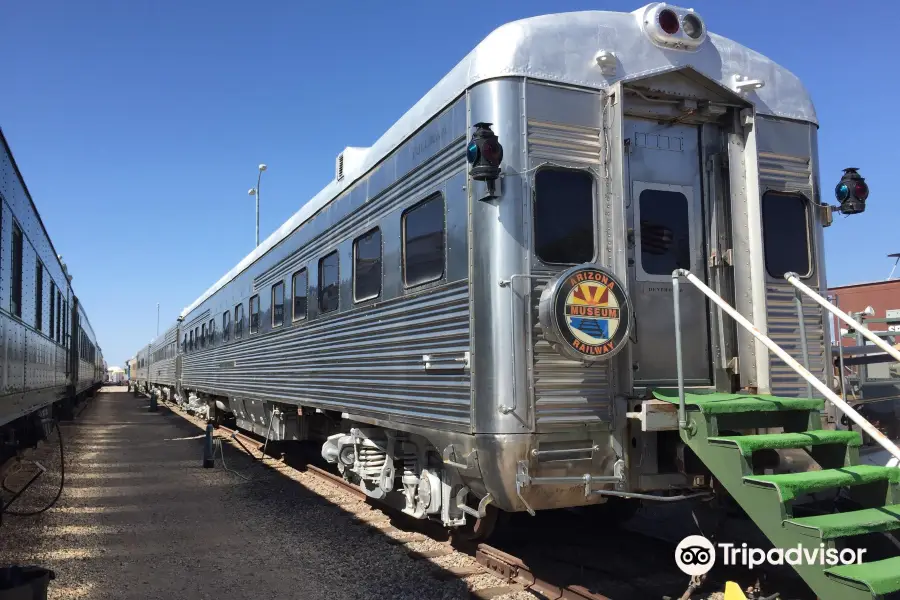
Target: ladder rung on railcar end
[706, 423]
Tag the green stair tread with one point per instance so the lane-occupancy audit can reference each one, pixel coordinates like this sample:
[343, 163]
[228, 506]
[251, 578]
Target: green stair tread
[719, 403]
[857, 522]
[881, 577]
[791, 485]
[770, 441]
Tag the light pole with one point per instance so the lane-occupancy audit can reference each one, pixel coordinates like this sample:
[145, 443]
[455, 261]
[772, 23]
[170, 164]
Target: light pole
[255, 192]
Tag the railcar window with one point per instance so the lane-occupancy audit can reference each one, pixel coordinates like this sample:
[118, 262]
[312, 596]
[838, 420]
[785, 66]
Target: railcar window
[563, 216]
[278, 304]
[191, 346]
[329, 286]
[212, 331]
[184, 345]
[65, 323]
[39, 296]
[665, 231]
[254, 314]
[299, 283]
[367, 266]
[52, 308]
[59, 315]
[238, 321]
[203, 336]
[226, 326]
[423, 242]
[196, 338]
[15, 299]
[785, 234]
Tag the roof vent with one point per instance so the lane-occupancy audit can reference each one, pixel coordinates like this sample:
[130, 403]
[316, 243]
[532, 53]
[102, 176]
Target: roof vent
[349, 162]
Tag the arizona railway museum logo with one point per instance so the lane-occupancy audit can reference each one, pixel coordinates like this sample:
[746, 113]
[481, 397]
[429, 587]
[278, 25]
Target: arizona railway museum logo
[591, 314]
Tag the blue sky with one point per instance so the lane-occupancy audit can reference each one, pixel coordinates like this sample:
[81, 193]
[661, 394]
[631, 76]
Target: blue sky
[138, 125]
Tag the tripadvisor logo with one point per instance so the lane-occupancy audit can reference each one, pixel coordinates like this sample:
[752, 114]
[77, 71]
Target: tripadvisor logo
[696, 555]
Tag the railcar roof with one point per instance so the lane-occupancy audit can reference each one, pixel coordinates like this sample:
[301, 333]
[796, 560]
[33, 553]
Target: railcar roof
[561, 48]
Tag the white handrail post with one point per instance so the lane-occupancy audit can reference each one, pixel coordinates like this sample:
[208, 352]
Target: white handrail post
[804, 347]
[679, 366]
[794, 279]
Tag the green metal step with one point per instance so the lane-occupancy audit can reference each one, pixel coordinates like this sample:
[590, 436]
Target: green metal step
[857, 522]
[717, 403]
[880, 578]
[771, 441]
[791, 485]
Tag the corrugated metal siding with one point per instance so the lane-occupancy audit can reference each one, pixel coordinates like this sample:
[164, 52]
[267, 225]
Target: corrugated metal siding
[565, 391]
[367, 361]
[556, 141]
[784, 330]
[791, 174]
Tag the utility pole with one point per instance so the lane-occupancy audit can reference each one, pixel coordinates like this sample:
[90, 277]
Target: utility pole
[157, 319]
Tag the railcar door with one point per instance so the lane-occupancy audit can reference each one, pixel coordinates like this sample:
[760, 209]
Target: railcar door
[665, 232]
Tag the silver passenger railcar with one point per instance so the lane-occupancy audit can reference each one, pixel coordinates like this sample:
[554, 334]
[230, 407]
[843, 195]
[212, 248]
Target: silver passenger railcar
[49, 353]
[462, 338]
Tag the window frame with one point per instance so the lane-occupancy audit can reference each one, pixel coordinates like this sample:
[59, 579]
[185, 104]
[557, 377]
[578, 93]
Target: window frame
[258, 310]
[17, 266]
[212, 331]
[52, 309]
[380, 264]
[191, 347]
[275, 285]
[39, 295]
[637, 188]
[321, 289]
[430, 198]
[294, 317]
[239, 321]
[807, 213]
[595, 241]
[203, 335]
[226, 326]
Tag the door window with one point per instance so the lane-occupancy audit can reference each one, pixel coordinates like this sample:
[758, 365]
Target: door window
[664, 231]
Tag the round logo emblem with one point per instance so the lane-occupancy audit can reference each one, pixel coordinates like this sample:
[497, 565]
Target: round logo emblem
[587, 313]
[695, 555]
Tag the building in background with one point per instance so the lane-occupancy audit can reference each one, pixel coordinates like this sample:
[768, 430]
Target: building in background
[882, 296]
[115, 375]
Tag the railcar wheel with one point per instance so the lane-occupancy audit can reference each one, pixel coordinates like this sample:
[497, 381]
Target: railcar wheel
[480, 529]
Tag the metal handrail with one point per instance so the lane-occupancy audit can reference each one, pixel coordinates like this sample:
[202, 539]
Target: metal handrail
[794, 280]
[854, 416]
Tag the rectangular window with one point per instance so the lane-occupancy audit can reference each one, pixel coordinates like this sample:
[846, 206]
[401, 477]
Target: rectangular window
[238, 321]
[184, 345]
[59, 317]
[191, 346]
[203, 336]
[65, 323]
[39, 296]
[196, 338]
[226, 326]
[278, 304]
[423, 242]
[52, 308]
[785, 234]
[299, 283]
[329, 283]
[212, 331]
[15, 298]
[665, 231]
[367, 266]
[254, 314]
[563, 216]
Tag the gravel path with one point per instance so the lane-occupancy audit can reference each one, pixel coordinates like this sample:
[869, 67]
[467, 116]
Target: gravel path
[140, 518]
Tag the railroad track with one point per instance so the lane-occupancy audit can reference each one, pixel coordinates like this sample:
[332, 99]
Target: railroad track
[515, 572]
